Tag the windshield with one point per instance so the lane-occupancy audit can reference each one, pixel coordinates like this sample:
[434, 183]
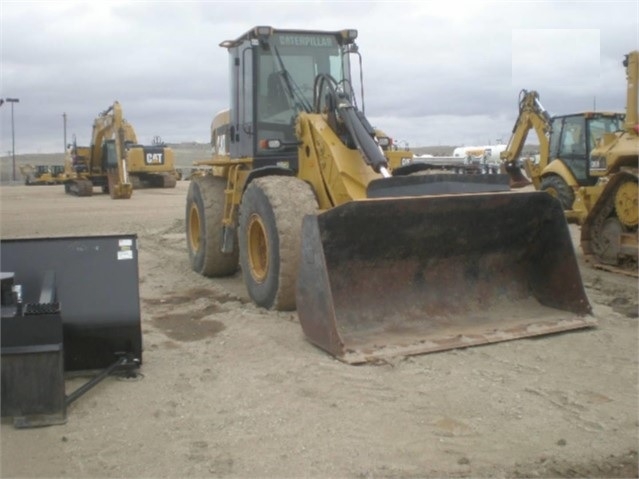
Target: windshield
[603, 124]
[285, 76]
[573, 137]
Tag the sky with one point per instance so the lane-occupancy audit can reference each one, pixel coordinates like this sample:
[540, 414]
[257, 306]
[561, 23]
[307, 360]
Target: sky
[436, 72]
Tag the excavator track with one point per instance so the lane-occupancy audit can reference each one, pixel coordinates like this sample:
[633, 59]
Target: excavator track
[168, 180]
[608, 240]
[79, 187]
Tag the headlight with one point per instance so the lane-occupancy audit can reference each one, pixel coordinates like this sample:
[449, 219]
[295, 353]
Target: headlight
[270, 144]
[384, 142]
[598, 163]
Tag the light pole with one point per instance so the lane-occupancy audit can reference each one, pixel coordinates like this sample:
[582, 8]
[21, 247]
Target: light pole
[13, 135]
[64, 128]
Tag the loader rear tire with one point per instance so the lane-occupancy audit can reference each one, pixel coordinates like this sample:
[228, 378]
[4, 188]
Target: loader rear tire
[204, 213]
[555, 186]
[270, 226]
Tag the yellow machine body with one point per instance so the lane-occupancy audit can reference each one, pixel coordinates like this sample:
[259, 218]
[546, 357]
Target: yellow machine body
[589, 161]
[377, 264]
[116, 162]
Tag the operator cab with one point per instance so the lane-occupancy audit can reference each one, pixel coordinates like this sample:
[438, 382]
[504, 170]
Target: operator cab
[272, 80]
[573, 137]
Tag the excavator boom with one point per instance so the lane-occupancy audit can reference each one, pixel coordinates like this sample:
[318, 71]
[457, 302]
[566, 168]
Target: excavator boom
[116, 162]
[532, 115]
[104, 162]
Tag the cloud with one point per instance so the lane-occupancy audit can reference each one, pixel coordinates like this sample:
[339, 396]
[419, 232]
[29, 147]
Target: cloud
[433, 71]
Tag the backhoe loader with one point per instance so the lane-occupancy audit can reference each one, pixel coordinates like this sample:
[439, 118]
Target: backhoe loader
[565, 143]
[573, 169]
[299, 195]
[115, 162]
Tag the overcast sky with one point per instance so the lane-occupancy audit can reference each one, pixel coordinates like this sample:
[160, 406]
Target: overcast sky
[435, 71]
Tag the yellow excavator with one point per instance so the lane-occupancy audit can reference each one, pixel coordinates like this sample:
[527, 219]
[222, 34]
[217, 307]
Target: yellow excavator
[115, 161]
[378, 261]
[572, 168]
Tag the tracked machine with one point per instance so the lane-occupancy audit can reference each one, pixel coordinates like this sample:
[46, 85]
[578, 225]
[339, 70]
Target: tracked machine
[115, 162]
[378, 261]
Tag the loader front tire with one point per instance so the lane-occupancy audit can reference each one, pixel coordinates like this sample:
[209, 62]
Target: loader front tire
[204, 213]
[270, 226]
[555, 186]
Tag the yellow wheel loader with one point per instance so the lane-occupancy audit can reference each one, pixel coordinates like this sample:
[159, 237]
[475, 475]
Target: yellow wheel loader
[299, 195]
[116, 162]
[582, 156]
[36, 175]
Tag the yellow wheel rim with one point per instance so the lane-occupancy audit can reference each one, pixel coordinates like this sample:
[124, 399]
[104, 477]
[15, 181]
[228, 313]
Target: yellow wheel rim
[552, 192]
[194, 228]
[626, 203]
[257, 248]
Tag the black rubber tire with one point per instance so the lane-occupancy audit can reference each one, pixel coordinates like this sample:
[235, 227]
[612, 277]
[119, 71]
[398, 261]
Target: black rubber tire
[204, 214]
[557, 187]
[274, 206]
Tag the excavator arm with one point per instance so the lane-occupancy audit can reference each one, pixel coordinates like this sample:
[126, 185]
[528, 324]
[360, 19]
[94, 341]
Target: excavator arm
[532, 115]
[112, 130]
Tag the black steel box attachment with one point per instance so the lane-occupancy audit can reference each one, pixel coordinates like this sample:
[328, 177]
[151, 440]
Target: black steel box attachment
[32, 359]
[68, 305]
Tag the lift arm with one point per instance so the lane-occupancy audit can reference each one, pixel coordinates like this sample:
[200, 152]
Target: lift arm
[532, 115]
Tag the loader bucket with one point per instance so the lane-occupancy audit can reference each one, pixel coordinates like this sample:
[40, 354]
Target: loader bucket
[94, 280]
[390, 277]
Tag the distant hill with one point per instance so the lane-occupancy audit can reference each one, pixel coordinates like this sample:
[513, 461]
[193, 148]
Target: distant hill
[185, 155]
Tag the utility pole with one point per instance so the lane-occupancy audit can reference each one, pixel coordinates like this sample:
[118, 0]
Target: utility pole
[64, 122]
[13, 135]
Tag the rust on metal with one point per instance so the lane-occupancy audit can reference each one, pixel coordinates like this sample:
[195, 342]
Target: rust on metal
[403, 276]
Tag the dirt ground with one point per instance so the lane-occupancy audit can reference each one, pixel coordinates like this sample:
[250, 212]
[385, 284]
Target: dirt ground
[229, 390]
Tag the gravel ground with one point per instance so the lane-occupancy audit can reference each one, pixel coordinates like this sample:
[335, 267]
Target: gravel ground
[230, 390]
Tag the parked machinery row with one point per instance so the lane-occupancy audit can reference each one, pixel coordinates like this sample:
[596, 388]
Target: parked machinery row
[589, 161]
